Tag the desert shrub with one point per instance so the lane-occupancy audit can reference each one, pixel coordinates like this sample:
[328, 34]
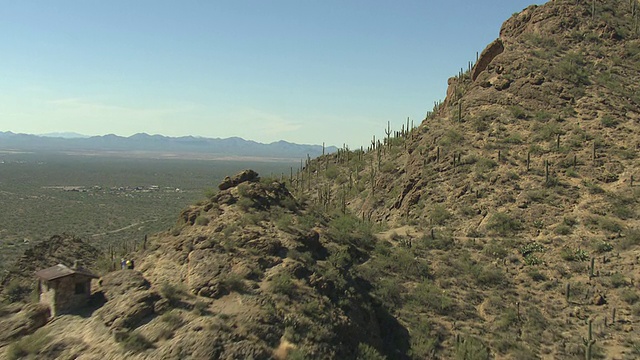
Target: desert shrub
[631, 238]
[244, 189]
[570, 172]
[630, 296]
[536, 275]
[518, 112]
[503, 224]
[451, 137]
[28, 346]
[569, 221]
[172, 319]
[290, 204]
[282, 283]
[609, 224]
[16, 291]
[202, 220]
[367, 352]
[490, 276]
[622, 207]
[233, 282]
[347, 229]
[172, 293]
[471, 348]
[572, 68]
[592, 188]
[574, 254]
[390, 292]
[439, 214]
[484, 165]
[602, 246]
[388, 167]
[562, 229]
[134, 342]
[439, 243]
[618, 280]
[332, 172]
[608, 121]
[245, 203]
[283, 221]
[200, 308]
[496, 249]
[423, 340]
[429, 296]
[210, 193]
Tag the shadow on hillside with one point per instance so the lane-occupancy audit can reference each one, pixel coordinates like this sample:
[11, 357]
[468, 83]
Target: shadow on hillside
[373, 324]
[96, 301]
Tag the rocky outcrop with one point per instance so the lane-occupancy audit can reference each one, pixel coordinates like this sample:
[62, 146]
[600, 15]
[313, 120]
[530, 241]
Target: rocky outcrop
[129, 299]
[244, 176]
[488, 54]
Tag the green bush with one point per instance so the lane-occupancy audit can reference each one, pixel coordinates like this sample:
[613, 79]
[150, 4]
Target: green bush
[562, 229]
[608, 121]
[603, 247]
[471, 348]
[233, 282]
[28, 346]
[427, 295]
[484, 165]
[16, 291]
[574, 255]
[631, 238]
[172, 293]
[347, 229]
[202, 220]
[134, 342]
[503, 224]
[618, 280]
[451, 137]
[172, 319]
[630, 296]
[390, 292]
[439, 214]
[367, 352]
[282, 283]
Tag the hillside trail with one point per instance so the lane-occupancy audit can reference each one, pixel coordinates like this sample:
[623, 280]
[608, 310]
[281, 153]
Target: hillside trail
[124, 228]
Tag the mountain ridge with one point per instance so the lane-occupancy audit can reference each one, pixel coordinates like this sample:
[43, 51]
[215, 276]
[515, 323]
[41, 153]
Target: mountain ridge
[234, 146]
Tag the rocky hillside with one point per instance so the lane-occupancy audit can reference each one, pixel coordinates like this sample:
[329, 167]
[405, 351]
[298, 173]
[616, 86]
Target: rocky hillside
[247, 273]
[505, 226]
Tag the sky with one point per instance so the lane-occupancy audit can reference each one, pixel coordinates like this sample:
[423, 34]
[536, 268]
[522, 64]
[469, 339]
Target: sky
[303, 71]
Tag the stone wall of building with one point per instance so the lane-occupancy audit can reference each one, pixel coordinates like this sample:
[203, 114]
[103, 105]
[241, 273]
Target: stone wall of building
[66, 294]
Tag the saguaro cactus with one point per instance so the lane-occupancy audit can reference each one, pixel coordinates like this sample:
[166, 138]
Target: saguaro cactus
[588, 343]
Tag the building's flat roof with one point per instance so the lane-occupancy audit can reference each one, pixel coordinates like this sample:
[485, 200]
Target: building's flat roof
[59, 271]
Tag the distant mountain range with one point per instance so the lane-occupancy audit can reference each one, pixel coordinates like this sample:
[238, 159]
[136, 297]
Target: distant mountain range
[158, 144]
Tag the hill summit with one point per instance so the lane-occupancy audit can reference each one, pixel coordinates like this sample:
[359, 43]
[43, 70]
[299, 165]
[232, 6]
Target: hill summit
[506, 225]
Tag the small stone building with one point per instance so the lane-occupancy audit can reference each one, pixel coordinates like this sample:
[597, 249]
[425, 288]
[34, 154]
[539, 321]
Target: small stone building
[64, 289]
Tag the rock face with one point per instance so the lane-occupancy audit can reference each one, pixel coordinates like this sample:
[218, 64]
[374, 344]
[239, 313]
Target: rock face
[494, 49]
[244, 176]
[129, 299]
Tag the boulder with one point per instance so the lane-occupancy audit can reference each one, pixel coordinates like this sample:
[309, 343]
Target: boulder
[243, 176]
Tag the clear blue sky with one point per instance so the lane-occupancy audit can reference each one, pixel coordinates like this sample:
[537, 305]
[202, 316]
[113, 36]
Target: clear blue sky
[305, 71]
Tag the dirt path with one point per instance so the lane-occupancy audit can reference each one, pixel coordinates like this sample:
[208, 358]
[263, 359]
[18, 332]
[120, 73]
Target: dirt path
[124, 228]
